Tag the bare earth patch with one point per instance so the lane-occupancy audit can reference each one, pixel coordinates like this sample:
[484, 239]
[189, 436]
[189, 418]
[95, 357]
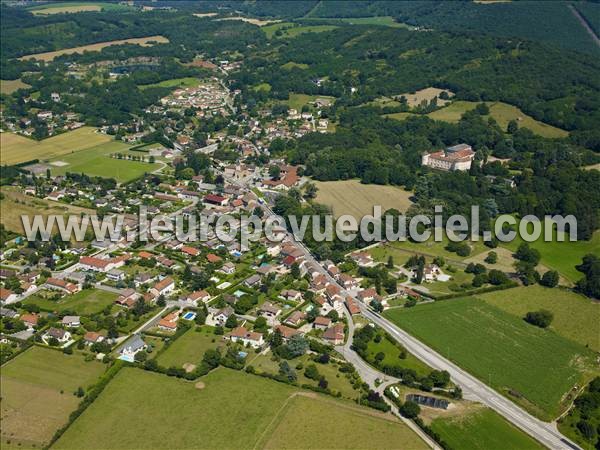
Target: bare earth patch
[189, 367]
[199, 385]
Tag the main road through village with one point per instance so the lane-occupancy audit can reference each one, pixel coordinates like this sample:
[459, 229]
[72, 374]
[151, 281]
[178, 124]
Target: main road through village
[473, 389]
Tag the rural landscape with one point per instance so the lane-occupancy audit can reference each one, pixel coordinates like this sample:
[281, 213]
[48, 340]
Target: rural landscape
[125, 124]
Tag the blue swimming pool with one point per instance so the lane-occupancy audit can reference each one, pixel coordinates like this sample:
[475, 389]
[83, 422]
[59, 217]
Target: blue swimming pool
[189, 315]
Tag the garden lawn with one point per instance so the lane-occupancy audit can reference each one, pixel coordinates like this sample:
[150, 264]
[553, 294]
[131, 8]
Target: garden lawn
[482, 429]
[85, 302]
[190, 347]
[576, 317]
[502, 350]
[96, 161]
[139, 409]
[37, 394]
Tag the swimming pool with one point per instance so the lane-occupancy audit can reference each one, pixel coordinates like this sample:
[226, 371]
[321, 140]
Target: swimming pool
[189, 315]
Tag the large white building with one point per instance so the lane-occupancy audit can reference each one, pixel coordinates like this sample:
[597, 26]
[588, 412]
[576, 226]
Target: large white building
[457, 157]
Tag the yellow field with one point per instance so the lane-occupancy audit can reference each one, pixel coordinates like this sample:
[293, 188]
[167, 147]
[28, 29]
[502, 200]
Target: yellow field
[258, 22]
[352, 197]
[66, 9]
[426, 94]
[502, 113]
[15, 204]
[10, 86]
[15, 148]
[49, 56]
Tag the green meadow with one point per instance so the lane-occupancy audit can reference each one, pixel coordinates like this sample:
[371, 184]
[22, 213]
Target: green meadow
[533, 366]
[229, 409]
[482, 429]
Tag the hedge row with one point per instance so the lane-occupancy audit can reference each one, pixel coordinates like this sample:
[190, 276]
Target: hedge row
[94, 392]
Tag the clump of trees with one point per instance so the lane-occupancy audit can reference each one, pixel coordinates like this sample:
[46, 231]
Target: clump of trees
[542, 318]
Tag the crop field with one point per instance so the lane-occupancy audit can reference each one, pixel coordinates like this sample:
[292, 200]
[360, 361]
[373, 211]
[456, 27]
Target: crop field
[352, 197]
[16, 149]
[37, 394]
[576, 317]
[190, 347]
[138, 409]
[482, 429]
[49, 56]
[96, 161]
[85, 302]
[502, 113]
[340, 426]
[15, 204]
[10, 86]
[73, 7]
[538, 366]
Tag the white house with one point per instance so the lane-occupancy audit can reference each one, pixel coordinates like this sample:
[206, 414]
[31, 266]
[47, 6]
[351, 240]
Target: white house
[240, 334]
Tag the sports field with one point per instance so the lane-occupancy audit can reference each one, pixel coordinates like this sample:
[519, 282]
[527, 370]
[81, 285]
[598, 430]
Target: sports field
[49, 56]
[10, 86]
[96, 161]
[85, 302]
[502, 350]
[139, 409]
[503, 113]
[189, 348]
[15, 204]
[37, 394]
[576, 317]
[482, 429]
[15, 148]
[352, 197]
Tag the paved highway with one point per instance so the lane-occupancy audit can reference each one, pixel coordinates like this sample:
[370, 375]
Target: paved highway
[474, 389]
